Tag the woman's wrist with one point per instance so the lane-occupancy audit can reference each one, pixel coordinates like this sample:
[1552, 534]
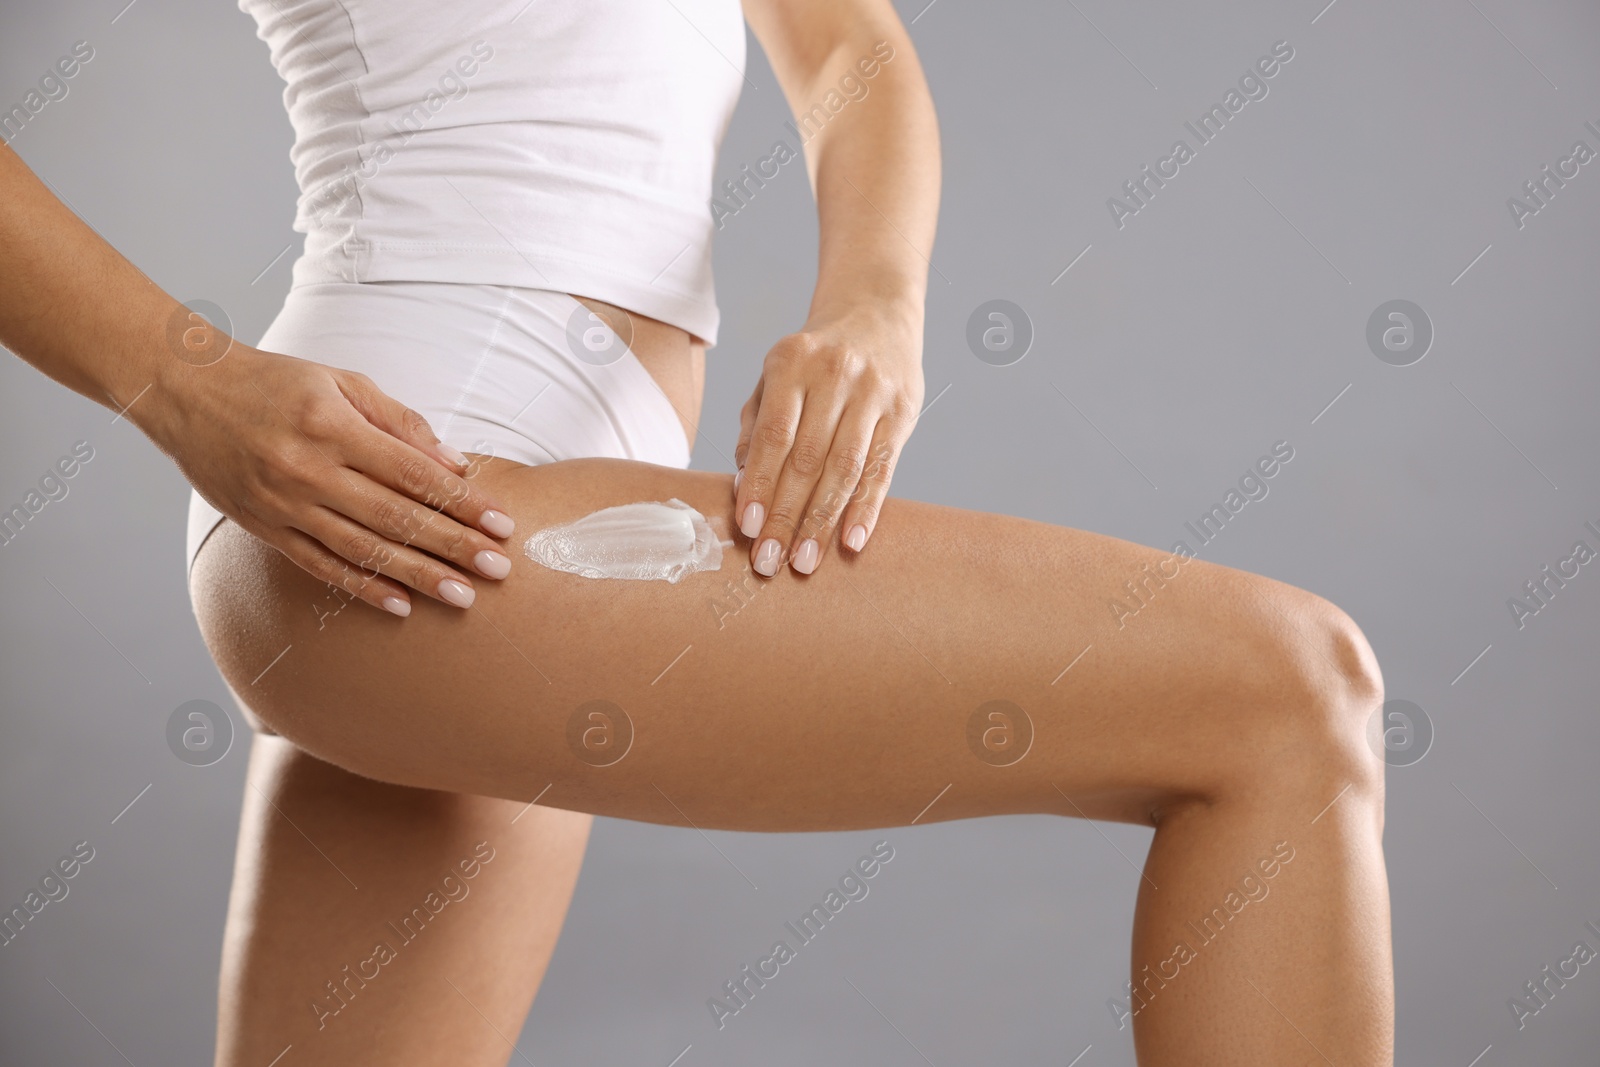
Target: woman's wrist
[187, 354]
[901, 308]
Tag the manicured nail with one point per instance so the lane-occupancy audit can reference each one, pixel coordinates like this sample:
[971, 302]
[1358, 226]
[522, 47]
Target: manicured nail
[453, 592]
[767, 557]
[754, 516]
[738, 476]
[805, 557]
[496, 524]
[451, 455]
[492, 564]
[856, 538]
[395, 606]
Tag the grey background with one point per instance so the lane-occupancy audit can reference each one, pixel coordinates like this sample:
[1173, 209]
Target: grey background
[1225, 316]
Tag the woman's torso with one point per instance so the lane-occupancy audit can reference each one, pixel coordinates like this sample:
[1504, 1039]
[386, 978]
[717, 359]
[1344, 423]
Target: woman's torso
[557, 144]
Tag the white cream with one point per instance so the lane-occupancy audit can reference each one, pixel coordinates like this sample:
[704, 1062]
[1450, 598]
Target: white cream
[649, 542]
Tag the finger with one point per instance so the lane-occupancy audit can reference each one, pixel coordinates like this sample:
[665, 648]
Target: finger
[402, 423]
[770, 439]
[374, 554]
[797, 480]
[852, 443]
[395, 419]
[412, 474]
[861, 515]
[747, 423]
[409, 523]
[345, 581]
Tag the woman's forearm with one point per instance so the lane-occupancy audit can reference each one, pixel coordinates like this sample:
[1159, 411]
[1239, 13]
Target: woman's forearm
[821, 433]
[875, 170]
[73, 306]
[876, 176]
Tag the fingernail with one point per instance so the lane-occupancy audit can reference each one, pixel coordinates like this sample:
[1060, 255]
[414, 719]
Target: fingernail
[395, 606]
[856, 538]
[451, 455]
[738, 476]
[805, 557]
[496, 524]
[492, 564]
[767, 556]
[754, 515]
[453, 592]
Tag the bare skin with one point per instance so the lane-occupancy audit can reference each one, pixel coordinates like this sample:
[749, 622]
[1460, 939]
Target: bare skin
[327, 860]
[367, 852]
[1231, 714]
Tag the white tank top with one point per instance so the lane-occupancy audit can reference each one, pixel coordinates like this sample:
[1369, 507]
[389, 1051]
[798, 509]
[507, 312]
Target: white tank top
[553, 144]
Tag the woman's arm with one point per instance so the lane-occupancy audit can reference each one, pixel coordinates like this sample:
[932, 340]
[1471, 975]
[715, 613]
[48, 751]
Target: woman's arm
[836, 401]
[314, 461]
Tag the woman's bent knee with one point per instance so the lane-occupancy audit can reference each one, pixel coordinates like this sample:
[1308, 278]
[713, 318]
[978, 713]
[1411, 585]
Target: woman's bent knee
[1309, 701]
[1348, 750]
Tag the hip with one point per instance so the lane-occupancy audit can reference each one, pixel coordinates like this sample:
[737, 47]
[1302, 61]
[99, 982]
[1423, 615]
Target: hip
[568, 375]
[526, 375]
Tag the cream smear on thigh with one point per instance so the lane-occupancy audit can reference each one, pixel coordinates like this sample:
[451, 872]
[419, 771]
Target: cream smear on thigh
[650, 541]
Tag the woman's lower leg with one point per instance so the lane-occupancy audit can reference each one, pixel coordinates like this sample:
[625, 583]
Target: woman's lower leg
[372, 923]
[1262, 930]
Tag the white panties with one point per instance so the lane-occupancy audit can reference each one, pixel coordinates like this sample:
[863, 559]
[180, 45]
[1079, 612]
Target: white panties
[523, 374]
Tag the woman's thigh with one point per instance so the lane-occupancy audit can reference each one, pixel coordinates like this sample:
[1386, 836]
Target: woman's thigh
[856, 696]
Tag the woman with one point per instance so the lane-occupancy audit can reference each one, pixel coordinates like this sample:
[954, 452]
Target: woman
[507, 244]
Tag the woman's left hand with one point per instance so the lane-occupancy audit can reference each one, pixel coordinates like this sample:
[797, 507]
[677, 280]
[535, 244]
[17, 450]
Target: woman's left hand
[820, 435]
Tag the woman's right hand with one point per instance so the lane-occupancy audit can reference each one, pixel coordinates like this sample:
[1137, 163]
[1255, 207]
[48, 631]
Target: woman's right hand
[347, 482]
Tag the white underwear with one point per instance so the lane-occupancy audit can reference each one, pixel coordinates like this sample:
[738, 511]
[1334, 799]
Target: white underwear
[523, 374]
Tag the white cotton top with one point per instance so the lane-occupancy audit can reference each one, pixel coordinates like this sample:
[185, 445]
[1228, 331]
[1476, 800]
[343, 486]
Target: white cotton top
[552, 144]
